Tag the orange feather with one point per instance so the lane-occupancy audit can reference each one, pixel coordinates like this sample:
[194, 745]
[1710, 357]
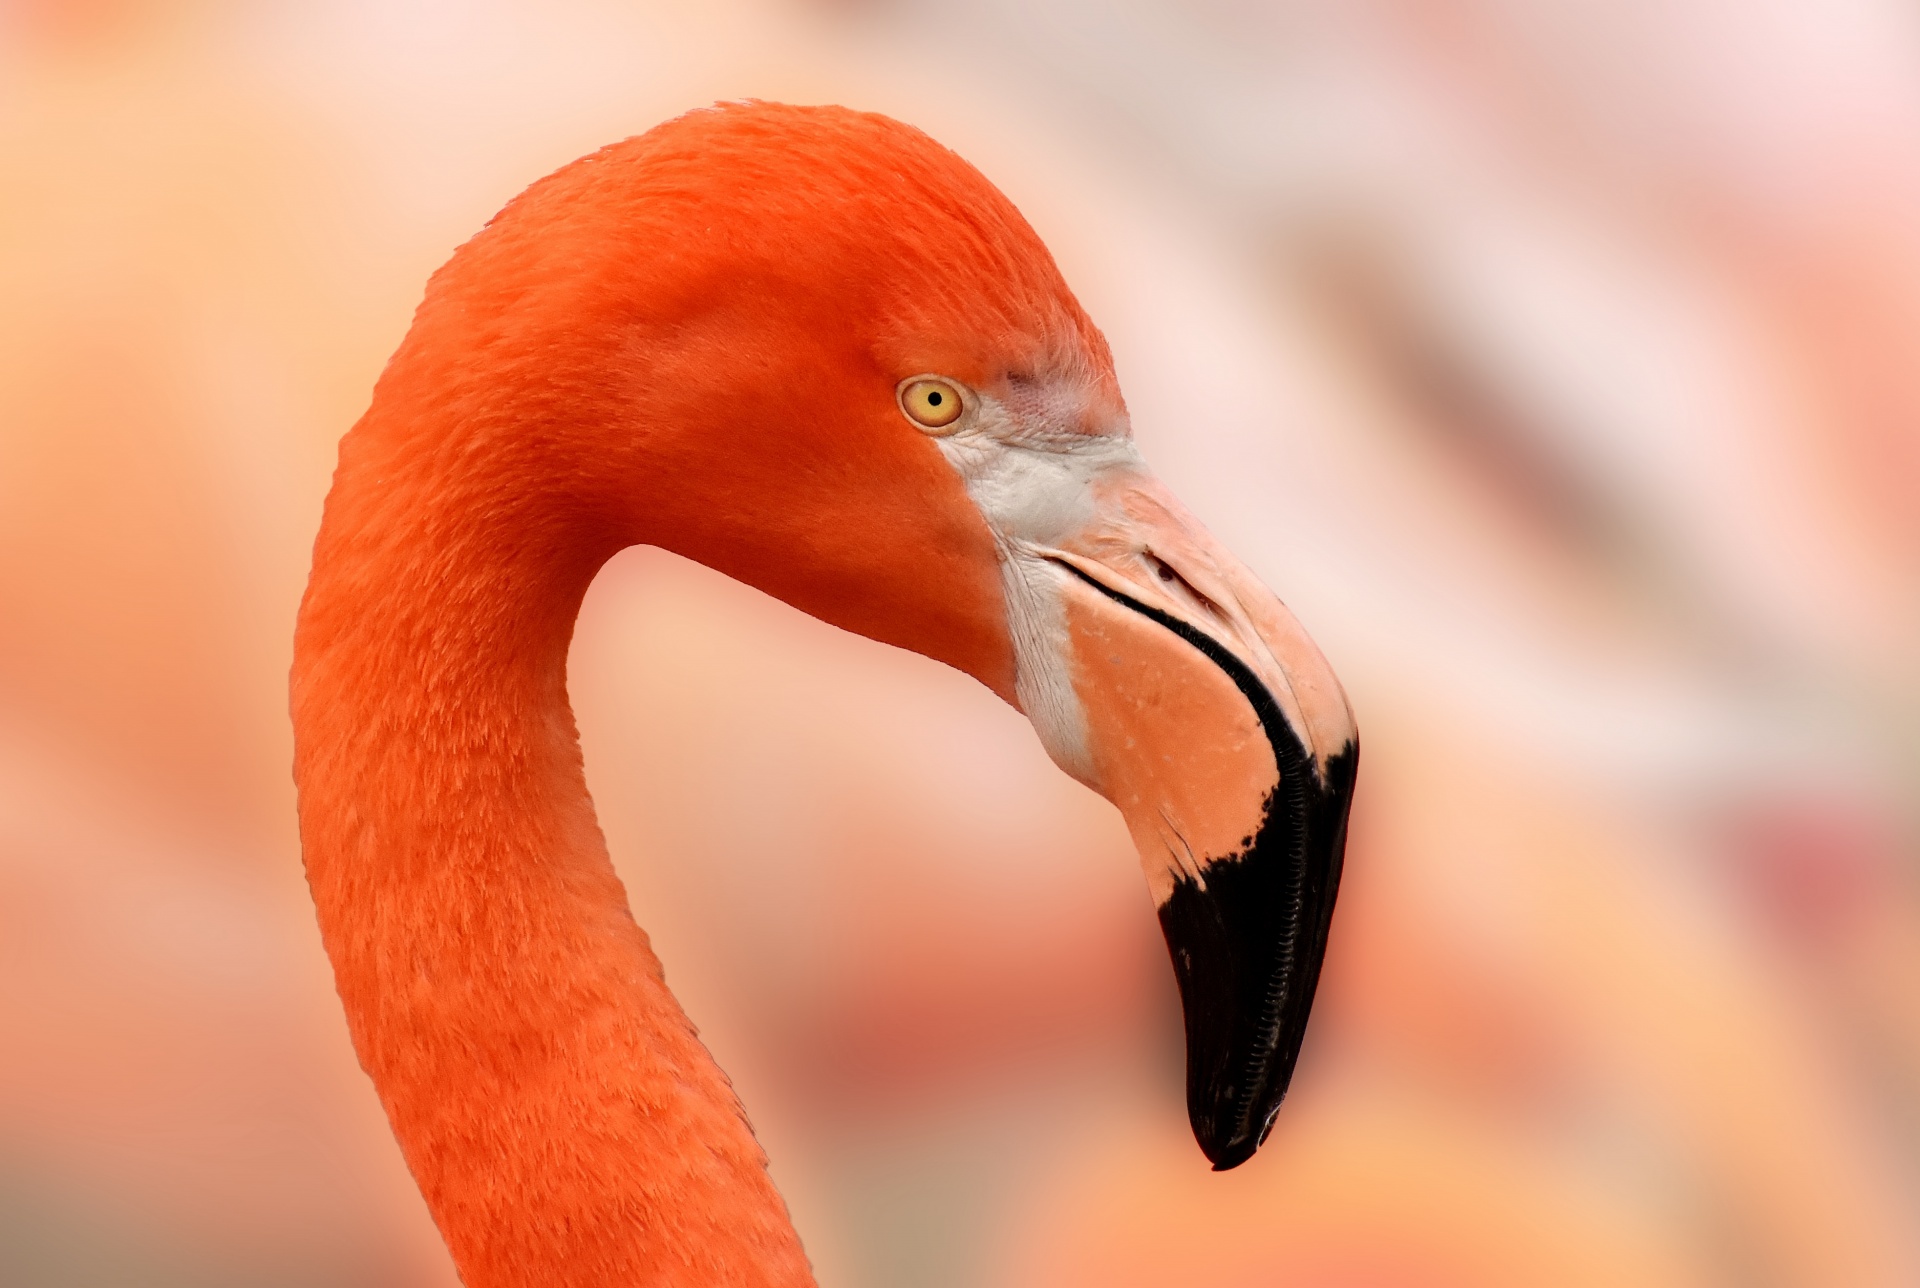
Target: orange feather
[689, 339]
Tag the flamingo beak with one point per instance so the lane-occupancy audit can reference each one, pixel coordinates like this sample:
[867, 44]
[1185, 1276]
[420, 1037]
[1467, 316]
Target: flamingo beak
[1218, 729]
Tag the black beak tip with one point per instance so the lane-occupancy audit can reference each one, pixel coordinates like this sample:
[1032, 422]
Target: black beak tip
[1247, 948]
[1226, 1150]
[1228, 1155]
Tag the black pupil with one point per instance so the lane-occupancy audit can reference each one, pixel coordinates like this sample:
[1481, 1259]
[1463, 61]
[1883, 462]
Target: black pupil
[934, 399]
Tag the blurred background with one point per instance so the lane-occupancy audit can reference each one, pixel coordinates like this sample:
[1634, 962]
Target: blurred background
[1558, 363]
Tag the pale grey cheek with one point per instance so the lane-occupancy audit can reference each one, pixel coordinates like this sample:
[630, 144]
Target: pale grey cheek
[1043, 679]
[1035, 495]
[1034, 499]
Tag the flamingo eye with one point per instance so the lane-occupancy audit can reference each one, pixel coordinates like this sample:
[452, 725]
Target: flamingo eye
[930, 403]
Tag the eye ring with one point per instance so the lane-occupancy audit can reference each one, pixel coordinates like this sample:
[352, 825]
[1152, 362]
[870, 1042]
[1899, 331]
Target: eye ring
[931, 402]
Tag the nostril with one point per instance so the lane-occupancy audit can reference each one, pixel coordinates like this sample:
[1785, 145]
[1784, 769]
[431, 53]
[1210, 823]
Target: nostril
[1168, 573]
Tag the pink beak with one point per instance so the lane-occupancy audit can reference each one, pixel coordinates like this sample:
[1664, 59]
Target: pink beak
[1216, 726]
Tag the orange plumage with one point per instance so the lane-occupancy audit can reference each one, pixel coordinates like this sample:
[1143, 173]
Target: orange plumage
[684, 339]
[696, 339]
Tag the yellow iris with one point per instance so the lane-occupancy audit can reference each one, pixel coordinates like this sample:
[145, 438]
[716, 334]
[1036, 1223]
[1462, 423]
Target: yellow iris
[932, 403]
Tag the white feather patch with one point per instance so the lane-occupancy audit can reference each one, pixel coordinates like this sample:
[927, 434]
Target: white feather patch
[1033, 485]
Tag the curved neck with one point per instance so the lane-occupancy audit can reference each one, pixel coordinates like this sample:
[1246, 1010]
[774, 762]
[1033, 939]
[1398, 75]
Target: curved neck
[563, 1121]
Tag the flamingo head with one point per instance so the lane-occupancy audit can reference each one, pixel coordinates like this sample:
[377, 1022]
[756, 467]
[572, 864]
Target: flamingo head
[815, 350]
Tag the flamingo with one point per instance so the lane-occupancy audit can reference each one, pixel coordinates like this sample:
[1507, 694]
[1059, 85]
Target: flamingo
[818, 352]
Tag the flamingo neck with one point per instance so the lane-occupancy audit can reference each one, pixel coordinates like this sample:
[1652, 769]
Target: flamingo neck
[561, 1117]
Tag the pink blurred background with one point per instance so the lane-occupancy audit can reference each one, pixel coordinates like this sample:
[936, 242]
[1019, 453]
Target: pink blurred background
[1559, 363]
